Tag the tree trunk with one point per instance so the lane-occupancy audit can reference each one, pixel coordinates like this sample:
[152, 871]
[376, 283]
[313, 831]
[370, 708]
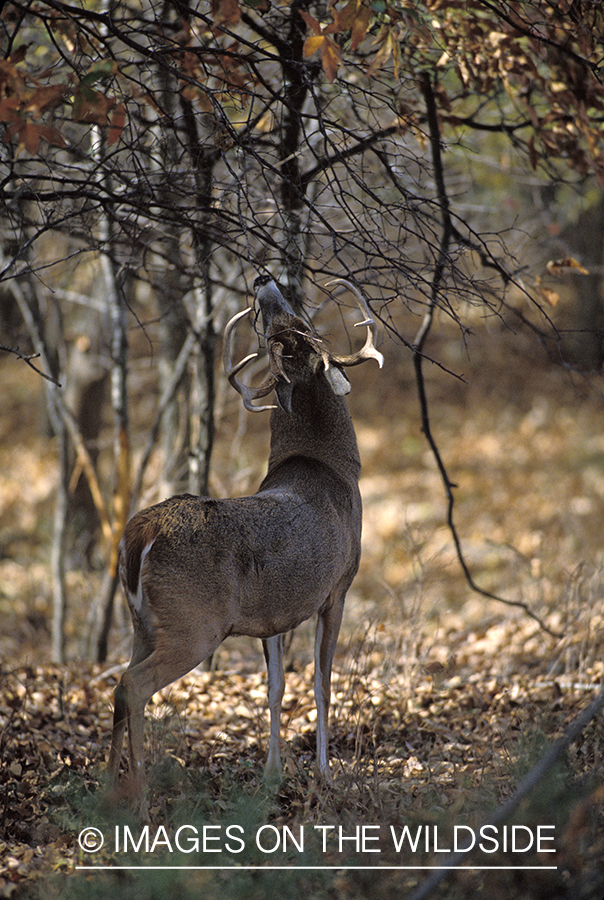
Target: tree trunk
[295, 75]
[203, 388]
[582, 342]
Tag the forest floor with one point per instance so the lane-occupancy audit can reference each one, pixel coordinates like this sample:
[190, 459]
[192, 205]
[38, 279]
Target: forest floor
[442, 699]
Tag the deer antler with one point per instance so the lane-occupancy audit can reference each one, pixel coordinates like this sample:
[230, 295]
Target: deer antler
[248, 393]
[368, 350]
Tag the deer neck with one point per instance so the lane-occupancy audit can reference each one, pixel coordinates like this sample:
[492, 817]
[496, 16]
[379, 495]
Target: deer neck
[319, 427]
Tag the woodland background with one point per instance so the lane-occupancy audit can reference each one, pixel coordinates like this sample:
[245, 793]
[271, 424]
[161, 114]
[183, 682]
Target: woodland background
[446, 157]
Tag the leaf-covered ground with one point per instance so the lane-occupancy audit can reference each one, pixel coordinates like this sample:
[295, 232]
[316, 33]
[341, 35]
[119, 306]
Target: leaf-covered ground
[442, 700]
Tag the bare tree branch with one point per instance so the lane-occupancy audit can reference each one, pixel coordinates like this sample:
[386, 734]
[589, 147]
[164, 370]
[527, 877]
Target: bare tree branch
[418, 357]
[28, 359]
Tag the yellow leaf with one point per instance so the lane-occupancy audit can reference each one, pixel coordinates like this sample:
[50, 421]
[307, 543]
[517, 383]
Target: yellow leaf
[560, 266]
[266, 123]
[313, 43]
[551, 297]
[382, 55]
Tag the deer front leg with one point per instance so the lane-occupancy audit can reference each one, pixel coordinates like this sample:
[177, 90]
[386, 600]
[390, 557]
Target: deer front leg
[328, 628]
[120, 720]
[273, 654]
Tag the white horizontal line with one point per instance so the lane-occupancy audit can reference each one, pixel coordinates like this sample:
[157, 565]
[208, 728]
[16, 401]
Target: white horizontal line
[294, 868]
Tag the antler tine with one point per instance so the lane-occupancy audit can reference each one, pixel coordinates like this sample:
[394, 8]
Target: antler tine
[248, 393]
[368, 350]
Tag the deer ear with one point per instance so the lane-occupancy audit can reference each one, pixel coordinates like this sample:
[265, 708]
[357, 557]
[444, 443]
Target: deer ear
[284, 391]
[338, 380]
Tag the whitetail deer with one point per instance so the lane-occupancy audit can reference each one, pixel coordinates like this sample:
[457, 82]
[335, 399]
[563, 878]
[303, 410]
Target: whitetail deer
[195, 570]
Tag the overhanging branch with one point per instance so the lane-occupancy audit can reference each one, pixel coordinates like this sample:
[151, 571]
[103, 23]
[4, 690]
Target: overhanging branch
[446, 237]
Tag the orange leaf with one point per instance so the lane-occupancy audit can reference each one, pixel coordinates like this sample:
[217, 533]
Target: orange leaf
[331, 57]
[313, 43]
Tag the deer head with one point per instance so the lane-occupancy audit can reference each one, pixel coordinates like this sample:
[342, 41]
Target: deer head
[282, 327]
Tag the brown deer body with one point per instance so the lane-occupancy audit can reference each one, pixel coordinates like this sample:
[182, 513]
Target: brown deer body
[196, 570]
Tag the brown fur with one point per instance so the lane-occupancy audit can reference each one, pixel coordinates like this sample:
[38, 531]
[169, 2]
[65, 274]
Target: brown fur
[195, 570]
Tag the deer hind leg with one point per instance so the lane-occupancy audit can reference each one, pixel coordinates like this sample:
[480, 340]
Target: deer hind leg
[141, 649]
[328, 628]
[144, 677]
[273, 654]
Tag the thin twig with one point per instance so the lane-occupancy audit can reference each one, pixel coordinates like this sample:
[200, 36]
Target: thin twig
[447, 234]
[27, 358]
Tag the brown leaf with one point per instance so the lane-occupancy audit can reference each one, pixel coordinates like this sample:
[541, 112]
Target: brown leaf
[29, 135]
[312, 23]
[52, 136]
[19, 54]
[360, 26]
[116, 124]
[385, 40]
[225, 12]
[45, 98]
[9, 109]
[533, 152]
[561, 266]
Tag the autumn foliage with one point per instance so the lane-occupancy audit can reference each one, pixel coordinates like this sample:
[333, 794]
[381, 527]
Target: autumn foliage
[539, 62]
